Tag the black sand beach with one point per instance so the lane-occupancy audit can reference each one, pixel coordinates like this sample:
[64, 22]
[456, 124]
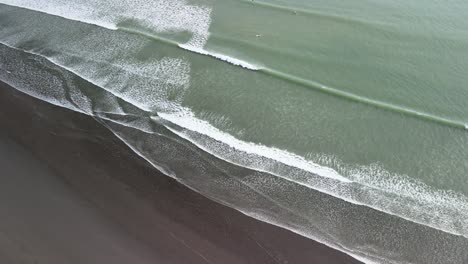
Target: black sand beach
[71, 192]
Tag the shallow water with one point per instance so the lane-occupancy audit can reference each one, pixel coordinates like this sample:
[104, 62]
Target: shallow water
[297, 113]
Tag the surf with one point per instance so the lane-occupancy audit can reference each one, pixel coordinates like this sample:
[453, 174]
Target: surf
[186, 120]
[163, 107]
[247, 163]
[198, 48]
[249, 147]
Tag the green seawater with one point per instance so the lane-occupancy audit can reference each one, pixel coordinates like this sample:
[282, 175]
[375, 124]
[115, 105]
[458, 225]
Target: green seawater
[394, 76]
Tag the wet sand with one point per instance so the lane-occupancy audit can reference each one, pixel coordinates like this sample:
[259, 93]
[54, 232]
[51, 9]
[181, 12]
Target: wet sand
[71, 192]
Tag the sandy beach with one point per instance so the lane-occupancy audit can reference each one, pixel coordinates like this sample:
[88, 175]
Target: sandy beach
[71, 192]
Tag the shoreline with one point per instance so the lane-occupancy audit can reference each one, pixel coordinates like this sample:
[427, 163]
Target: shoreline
[134, 206]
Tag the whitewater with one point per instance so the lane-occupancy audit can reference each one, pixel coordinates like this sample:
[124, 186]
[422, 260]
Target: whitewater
[157, 90]
[198, 24]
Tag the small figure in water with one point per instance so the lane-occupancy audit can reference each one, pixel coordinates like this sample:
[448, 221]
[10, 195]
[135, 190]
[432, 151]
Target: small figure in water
[258, 35]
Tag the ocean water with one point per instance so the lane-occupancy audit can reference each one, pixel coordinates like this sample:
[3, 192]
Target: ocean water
[343, 121]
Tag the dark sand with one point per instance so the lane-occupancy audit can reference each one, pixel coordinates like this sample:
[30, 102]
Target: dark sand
[71, 192]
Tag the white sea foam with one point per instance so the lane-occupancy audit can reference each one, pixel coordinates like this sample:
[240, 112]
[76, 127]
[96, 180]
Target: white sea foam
[187, 120]
[116, 74]
[220, 56]
[160, 84]
[158, 15]
[40, 96]
[37, 84]
[167, 73]
[377, 188]
[362, 256]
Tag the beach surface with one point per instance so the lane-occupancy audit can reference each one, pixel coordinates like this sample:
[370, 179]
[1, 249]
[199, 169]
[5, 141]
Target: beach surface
[71, 192]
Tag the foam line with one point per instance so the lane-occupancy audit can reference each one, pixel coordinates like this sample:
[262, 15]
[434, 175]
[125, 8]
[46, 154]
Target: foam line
[223, 57]
[171, 174]
[245, 146]
[201, 51]
[158, 16]
[235, 143]
[316, 85]
[198, 48]
[123, 98]
[188, 121]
